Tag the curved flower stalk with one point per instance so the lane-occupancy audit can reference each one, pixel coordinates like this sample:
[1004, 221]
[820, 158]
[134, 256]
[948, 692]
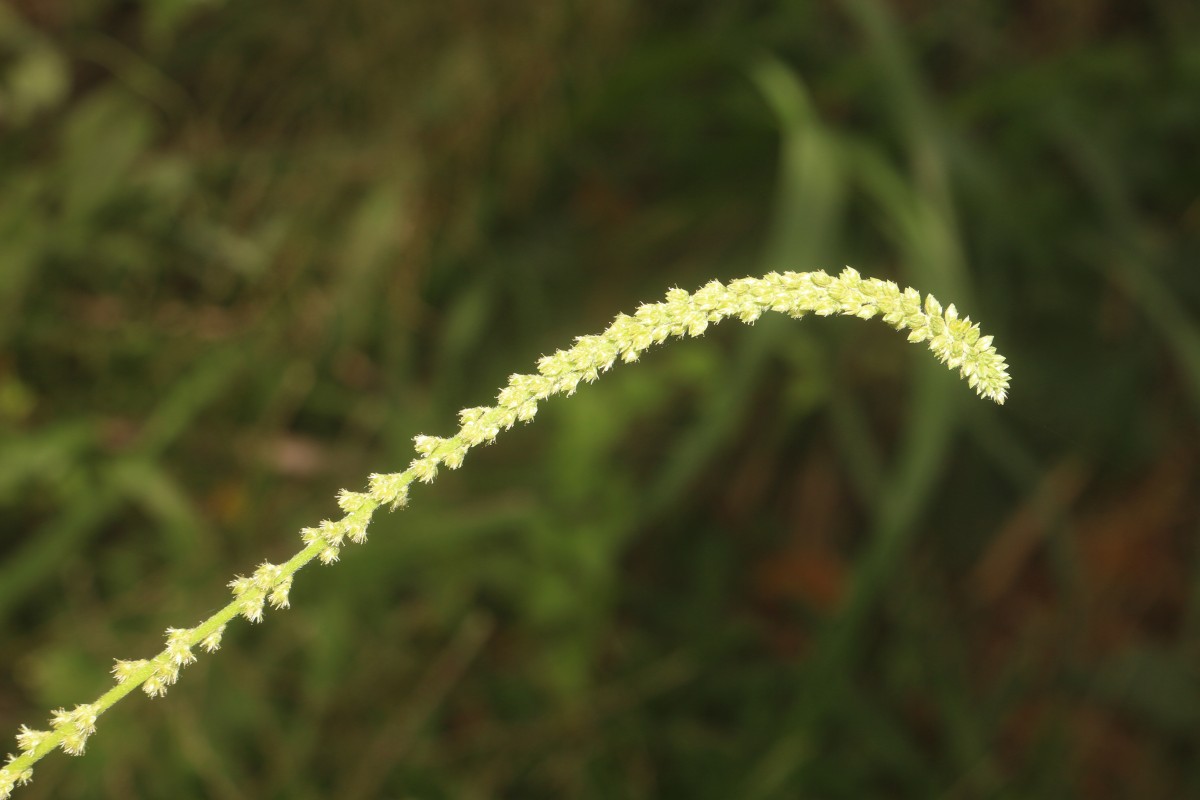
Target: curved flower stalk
[954, 340]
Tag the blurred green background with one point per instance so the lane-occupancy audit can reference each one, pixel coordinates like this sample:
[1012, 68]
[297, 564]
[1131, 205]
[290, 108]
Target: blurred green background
[248, 250]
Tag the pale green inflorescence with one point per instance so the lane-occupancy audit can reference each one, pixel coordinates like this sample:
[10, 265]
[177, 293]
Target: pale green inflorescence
[955, 341]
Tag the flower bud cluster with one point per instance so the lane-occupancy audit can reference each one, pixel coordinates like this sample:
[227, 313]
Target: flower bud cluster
[390, 489]
[74, 727]
[955, 341]
[270, 583]
[330, 535]
[69, 730]
[12, 776]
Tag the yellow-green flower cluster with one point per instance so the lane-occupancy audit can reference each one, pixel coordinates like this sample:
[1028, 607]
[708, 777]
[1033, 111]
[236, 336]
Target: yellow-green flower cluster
[955, 341]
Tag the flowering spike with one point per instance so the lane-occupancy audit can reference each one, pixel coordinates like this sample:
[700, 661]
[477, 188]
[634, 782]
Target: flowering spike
[954, 341]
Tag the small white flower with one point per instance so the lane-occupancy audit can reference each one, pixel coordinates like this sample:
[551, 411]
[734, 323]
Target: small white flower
[178, 648]
[212, 642]
[29, 739]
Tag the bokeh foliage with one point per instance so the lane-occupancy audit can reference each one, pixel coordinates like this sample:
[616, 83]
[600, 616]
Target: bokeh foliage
[248, 250]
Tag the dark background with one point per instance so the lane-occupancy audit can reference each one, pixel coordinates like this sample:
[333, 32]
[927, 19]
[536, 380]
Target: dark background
[248, 250]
